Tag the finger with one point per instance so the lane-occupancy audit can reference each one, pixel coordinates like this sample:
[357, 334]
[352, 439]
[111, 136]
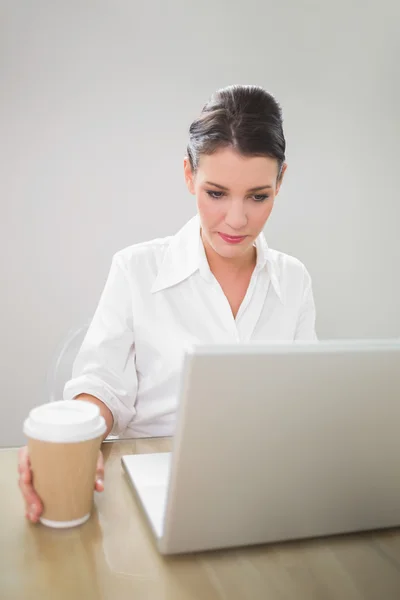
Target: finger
[24, 466]
[32, 516]
[33, 504]
[100, 463]
[99, 485]
[23, 459]
[31, 498]
[26, 476]
[99, 482]
[32, 501]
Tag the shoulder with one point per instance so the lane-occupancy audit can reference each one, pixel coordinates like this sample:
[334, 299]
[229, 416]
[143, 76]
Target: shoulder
[289, 270]
[143, 255]
[285, 262]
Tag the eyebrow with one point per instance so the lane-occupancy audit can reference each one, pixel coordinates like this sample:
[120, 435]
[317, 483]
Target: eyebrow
[254, 189]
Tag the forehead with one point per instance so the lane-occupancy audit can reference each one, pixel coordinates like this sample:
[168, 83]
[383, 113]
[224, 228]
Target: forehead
[229, 168]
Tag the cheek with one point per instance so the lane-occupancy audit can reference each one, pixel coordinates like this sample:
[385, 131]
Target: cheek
[269, 208]
[210, 212]
[261, 215]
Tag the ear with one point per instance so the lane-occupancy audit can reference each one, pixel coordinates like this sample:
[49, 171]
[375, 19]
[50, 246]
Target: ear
[278, 185]
[189, 175]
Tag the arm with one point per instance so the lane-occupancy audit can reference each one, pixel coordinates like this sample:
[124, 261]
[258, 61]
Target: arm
[305, 330]
[100, 374]
[104, 371]
[104, 411]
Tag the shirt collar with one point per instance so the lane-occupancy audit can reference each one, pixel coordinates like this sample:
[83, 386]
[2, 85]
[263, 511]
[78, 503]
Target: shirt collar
[185, 255]
[266, 259]
[181, 258]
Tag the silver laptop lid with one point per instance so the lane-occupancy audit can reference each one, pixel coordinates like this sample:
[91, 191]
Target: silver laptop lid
[284, 441]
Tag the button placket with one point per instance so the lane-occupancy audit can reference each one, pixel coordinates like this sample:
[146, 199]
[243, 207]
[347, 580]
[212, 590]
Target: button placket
[253, 305]
[224, 310]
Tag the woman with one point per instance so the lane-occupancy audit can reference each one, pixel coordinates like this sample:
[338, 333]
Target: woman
[215, 281]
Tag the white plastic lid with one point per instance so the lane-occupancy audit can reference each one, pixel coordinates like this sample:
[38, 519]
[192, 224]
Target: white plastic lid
[65, 421]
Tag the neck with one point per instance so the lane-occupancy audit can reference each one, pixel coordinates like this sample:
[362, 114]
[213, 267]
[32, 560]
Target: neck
[233, 266]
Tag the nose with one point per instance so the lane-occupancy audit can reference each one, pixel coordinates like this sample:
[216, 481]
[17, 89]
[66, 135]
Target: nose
[236, 217]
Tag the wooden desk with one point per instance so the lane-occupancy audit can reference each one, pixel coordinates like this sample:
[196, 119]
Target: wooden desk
[113, 557]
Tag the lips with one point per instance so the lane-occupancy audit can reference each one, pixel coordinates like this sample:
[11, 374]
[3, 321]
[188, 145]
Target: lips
[232, 239]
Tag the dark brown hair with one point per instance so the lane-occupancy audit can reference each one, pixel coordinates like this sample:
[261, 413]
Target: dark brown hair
[244, 117]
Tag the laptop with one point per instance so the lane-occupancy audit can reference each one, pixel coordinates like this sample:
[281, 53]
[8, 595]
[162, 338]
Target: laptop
[277, 442]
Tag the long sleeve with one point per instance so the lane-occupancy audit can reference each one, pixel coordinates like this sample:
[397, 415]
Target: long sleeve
[105, 364]
[305, 330]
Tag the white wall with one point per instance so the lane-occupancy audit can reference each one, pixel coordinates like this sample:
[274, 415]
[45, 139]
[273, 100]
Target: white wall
[96, 100]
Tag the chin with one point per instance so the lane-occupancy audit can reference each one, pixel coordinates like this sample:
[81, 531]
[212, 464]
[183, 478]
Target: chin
[231, 251]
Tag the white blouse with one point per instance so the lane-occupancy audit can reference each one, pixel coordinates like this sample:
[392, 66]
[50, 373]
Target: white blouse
[160, 299]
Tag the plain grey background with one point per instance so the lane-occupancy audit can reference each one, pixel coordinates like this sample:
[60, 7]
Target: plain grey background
[96, 100]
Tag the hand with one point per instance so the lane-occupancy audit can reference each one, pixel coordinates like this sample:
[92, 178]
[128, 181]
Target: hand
[33, 504]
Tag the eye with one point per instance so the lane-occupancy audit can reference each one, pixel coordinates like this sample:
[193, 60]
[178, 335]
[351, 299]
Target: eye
[260, 197]
[215, 195]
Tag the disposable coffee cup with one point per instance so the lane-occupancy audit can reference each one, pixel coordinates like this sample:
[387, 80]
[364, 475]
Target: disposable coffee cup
[64, 439]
